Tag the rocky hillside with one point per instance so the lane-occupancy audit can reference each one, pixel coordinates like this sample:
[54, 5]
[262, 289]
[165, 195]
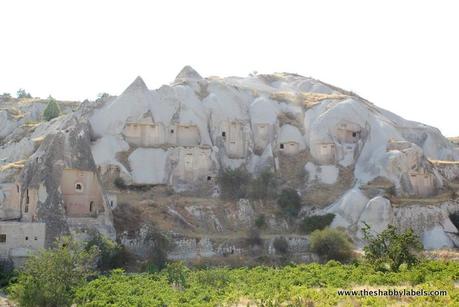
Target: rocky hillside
[159, 157]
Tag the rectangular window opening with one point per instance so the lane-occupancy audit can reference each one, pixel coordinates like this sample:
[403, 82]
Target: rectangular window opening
[2, 238]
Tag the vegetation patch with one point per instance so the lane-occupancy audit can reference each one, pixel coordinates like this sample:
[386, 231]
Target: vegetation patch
[316, 222]
[289, 202]
[332, 244]
[292, 285]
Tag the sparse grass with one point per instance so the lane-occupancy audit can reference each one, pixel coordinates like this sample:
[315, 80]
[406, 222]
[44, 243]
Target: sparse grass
[444, 162]
[305, 99]
[13, 165]
[426, 200]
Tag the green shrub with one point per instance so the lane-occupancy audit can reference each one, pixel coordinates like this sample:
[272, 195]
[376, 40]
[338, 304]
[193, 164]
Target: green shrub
[110, 252]
[158, 253]
[102, 96]
[260, 221]
[316, 222]
[263, 187]
[233, 183]
[52, 110]
[391, 247]
[215, 278]
[21, 93]
[290, 202]
[50, 277]
[7, 272]
[5, 96]
[177, 274]
[331, 244]
[280, 244]
[119, 183]
[254, 238]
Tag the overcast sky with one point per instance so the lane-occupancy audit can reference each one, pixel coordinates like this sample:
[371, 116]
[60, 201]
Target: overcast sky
[401, 55]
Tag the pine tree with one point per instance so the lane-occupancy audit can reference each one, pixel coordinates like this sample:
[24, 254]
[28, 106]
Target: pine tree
[52, 110]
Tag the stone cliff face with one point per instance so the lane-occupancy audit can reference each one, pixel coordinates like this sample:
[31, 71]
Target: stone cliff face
[161, 151]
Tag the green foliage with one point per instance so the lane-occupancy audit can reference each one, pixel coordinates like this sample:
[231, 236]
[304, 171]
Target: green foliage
[50, 277]
[298, 285]
[216, 278]
[5, 96]
[158, 253]
[21, 93]
[7, 272]
[233, 183]
[316, 222]
[280, 244]
[290, 202]
[177, 273]
[331, 244]
[391, 248]
[119, 183]
[253, 238]
[52, 110]
[102, 96]
[260, 221]
[263, 187]
[110, 252]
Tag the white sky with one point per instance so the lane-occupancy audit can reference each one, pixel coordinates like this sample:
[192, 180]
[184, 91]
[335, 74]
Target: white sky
[401, 55]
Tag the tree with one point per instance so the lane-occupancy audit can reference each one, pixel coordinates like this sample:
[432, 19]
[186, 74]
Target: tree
[21, 93]
[263, 187]
[233, 183]
[158, 253]
[50, 277]
[315, 222]
[102, 96]
[110, 252]
[260, 221]
[331, 244]
[5, 96]
[177, 274]
[52, 110]
[391, 247]
[280, 244]
[290, 202]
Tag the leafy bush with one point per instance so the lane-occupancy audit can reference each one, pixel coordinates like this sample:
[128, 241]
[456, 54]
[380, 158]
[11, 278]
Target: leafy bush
[316, 222]
[5, 96]
[21, 93]
[280, 244]
[263, 187]
[215, 278]
[110, 252]
[119, 183]
[159, 250]
[7, 272]
[391, 247]
[260, 221]
[52, 110]
[233, 183]
[290, 202]
[50, 277]
[253, 238]
[331, 244]
[102, 96]
[177, 273]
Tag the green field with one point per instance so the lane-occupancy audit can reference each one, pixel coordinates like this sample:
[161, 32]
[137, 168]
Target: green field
[292, 285]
